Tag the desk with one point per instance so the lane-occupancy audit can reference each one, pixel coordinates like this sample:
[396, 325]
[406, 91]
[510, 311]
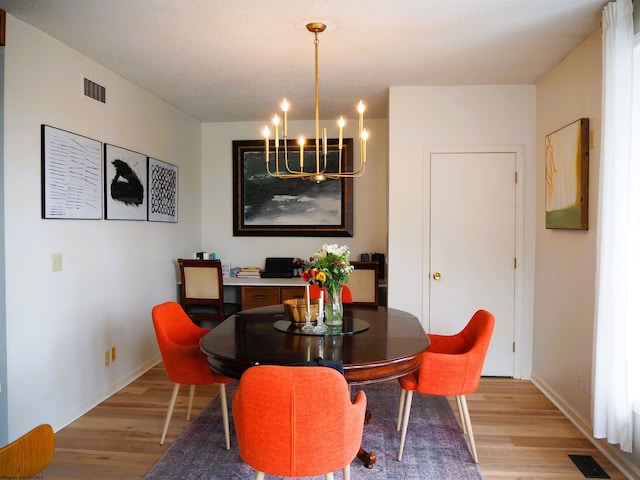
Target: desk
[390, 348]
[258, 292]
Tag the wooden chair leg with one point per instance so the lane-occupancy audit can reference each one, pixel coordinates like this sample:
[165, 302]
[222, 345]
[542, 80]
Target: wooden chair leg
[467, 421]
[329, 476]
[461, 415]
[346, 472]
[405, 421]
[192, 391]
[172, 403]
[225, 414]
[403, 394]
[259, 475]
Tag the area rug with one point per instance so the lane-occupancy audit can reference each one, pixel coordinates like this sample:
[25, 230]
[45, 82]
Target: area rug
[435, 449]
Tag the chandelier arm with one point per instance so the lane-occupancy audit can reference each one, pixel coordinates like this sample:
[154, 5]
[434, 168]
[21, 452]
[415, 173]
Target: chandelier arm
[356, 174]
[285, 176]
[286, 160]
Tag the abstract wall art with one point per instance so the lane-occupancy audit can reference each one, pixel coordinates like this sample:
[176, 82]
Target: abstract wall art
[163, 191]
[567, 177]
[125, 184]
[71, 175]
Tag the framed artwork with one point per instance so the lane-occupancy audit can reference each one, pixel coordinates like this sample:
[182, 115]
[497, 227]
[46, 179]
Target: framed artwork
[71, 175]
[125, 184]
[265, 205]
[567, 177]
[163, 192]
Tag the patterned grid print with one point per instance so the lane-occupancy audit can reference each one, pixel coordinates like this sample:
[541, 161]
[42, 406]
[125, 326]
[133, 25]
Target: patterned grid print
[163, 191]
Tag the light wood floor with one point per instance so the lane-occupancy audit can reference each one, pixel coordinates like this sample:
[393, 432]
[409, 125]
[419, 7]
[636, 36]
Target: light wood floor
[519, 433]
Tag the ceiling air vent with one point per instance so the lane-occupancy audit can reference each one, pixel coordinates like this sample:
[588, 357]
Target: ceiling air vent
[95, 91]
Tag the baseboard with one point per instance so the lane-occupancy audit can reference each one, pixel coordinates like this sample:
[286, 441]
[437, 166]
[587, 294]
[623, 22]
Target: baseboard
[612, 452]
[102, 396]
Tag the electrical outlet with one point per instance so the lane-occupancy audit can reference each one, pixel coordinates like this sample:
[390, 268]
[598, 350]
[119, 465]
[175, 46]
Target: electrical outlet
[56, 262]
[584, 383]
[113, 354]
[107, 358]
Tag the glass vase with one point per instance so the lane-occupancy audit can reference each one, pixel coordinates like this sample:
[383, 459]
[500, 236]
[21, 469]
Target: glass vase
[333, 305]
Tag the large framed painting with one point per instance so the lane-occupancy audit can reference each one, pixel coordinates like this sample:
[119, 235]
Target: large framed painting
[125, 184]
[71, 175]
[567, 177]
[163, 191]
[264, 205]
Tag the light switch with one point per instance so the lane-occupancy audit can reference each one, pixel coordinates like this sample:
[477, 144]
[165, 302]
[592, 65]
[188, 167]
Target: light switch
[56, 262]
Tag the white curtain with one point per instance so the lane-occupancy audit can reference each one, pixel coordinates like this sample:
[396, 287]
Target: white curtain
[618, 250]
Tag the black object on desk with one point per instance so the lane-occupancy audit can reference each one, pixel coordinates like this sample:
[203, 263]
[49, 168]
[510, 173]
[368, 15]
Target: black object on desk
[278, 267]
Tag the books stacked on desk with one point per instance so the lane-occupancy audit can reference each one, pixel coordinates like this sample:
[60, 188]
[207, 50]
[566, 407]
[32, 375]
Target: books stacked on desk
[249, 272]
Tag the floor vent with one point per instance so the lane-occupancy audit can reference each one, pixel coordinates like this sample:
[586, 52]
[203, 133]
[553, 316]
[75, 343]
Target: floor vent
[588, 466]
[95, 91]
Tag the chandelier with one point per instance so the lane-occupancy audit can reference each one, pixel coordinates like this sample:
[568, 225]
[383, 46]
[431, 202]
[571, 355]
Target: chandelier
[320, 173]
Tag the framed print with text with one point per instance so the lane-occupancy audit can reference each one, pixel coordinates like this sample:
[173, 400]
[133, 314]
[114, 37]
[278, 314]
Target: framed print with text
[71, 175]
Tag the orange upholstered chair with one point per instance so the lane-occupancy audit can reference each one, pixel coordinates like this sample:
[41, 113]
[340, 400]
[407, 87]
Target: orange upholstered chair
[297, 421]
[314, 292]
[179, 342]
[451, 367]
[28, 455]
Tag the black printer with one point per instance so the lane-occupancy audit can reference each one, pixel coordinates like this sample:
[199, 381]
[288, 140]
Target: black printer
[278, 267]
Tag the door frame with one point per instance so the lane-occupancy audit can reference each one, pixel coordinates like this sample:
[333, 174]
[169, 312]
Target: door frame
[518, 151]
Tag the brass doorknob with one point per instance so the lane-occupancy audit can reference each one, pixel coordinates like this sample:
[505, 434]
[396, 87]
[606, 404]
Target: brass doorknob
[436, 276]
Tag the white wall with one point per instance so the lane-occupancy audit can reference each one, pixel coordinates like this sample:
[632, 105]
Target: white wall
[565, 260]
[421, 117]
[60, 324]
[369, 203]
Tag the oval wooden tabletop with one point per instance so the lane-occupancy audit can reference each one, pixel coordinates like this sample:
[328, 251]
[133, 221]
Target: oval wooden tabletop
[389, 348]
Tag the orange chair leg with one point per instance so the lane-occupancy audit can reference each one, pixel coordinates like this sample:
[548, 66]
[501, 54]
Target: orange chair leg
[405, 421]
[403, 394]
[192, 391]
[346, 475]
[172, 403]
[461, 415]
[467, 421]
[225, 414]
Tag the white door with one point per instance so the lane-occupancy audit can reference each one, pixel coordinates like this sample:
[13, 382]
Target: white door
[472, 247]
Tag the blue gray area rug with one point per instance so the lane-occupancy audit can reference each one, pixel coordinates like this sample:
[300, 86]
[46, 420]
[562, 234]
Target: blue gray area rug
[435, 449]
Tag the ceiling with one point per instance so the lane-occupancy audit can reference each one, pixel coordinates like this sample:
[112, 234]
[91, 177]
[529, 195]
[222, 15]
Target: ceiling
[234, 60]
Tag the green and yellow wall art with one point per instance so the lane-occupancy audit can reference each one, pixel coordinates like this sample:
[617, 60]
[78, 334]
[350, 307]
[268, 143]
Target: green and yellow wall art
[567, 177]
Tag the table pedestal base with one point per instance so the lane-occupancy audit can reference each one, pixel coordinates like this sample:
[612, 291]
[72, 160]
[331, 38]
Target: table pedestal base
[368, 458]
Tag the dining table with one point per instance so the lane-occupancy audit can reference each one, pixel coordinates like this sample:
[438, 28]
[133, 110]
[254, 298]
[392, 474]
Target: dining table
[373, 344]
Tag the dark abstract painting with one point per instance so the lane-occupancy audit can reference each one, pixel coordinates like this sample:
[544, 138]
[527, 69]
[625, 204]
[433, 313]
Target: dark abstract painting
[264, 205]
[125, 184]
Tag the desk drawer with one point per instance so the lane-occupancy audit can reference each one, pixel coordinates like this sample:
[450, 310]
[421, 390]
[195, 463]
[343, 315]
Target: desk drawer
[287, 293]
[253, 297]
